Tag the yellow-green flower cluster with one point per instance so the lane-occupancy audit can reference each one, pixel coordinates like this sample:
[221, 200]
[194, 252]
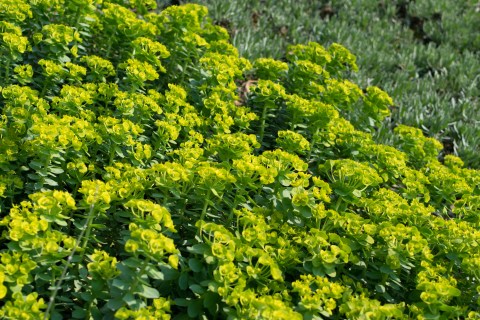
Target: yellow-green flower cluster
[51, 69]
[270, 69]
[313, 52]
[99, 67]
[60, 34]
[159, 310]
[317, 294]
[27, 307]
[377, 103]
[292, 142]
[30, 224]
[122, 21]
[13, 44]
[250, 171]
[151, 51]
[139, 72]
[348, 176]
[232, 146]
[15, 10]
[103, 265]
[24, 73]
[419, 148]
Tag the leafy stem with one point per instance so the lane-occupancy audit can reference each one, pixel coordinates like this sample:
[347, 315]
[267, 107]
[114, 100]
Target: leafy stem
[69, 260]
[7, 71]
[312, 145]
[263, 121]
[77, 16]
[205, 206]
[88, 228]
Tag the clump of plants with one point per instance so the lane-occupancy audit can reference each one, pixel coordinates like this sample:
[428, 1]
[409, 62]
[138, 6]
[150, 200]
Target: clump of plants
[425, 54]
[149, 172]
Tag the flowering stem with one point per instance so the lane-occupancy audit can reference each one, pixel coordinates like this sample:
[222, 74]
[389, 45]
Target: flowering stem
[88, 228]
[47, 85]
[109, 48]
[7, 71]
[263, 123]
[77, 17]
[67, 265]
[338, 203]
[205, 206]
[312, 145]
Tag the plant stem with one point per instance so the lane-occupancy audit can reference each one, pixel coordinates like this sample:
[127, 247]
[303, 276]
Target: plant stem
[88, 228]
[312, 145]
[77, 17]
[67, 265]
[235, 204]
[338, 203]
[263, 123]
[7, 71]
[109, 48]
[44, 89]
[140, 273]
[205, 206]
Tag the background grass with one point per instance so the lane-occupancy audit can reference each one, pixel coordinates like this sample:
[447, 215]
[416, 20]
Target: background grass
[424, 53]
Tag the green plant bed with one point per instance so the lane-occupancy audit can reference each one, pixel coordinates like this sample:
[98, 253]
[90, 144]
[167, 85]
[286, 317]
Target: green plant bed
[147, 171]
[424, 53]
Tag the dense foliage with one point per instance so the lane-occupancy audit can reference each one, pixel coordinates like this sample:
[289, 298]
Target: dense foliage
[149, 172]
[424, 53]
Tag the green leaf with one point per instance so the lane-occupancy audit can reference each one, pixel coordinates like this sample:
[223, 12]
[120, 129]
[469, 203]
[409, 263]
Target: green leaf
[284, 181]
[50, 182]
[120, 284]
[380, 288]
[97, 284]
[115, 304]
[210, 301]
[199, 248]
[154, 273]
[357, 193]
[56, 316]
[341, 192]
[56, 170]
[330, 271]
[126, 272]
[148, 292]
[85, 296]
[183, 281]
[62, 223]
[195, 265]
[181, 302]
[197, 289]
[169, 273]
[215, 193]
[79, 314]
[306, 212]
[286, 194]
[133, 262]
[35, 165]
[194, 308]
[119, 152]
[129, 299]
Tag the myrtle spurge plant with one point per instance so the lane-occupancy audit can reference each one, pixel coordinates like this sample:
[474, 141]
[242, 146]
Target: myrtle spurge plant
[149, 172]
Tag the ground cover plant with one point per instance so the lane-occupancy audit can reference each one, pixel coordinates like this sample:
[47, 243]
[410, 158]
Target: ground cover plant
[147, 171]
[425, 54]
